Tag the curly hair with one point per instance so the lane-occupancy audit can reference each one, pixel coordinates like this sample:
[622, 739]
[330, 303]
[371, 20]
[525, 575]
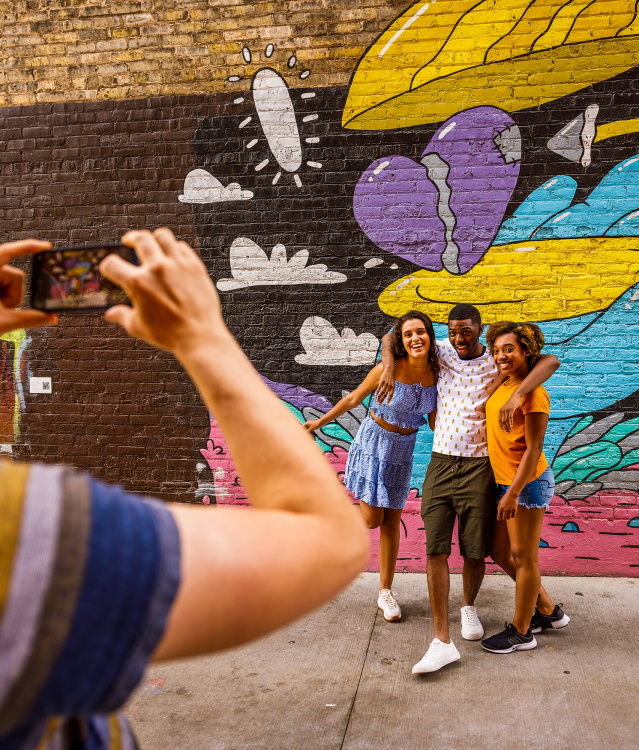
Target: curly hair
[529, 336]
[398, 345]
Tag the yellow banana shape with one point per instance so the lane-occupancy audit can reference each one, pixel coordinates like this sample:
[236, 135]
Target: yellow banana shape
[533, 280]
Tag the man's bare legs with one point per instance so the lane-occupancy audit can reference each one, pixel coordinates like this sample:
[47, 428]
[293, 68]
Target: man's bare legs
[472, 576]
[438, 590]
[501, 553]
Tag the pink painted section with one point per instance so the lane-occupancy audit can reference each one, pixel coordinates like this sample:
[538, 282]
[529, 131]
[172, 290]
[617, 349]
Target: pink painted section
[603, 545]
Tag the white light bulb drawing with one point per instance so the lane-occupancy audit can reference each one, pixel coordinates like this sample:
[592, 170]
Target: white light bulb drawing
[277, 118]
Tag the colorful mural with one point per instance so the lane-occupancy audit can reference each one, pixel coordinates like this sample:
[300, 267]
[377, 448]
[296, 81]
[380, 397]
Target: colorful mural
[12, 346]
[491, 166]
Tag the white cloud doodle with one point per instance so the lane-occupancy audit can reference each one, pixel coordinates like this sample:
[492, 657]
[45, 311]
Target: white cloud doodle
[323, 345]
[201, 187]
[250, 266]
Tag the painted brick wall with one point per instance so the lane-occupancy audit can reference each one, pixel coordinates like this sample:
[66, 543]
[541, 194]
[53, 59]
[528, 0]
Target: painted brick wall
[396, 155]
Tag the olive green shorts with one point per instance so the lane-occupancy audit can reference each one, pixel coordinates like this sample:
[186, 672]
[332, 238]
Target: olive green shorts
[463, 488]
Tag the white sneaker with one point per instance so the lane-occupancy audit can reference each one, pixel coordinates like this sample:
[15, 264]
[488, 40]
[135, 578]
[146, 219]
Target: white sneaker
[389, 606]
[472, 629]
[439, 654]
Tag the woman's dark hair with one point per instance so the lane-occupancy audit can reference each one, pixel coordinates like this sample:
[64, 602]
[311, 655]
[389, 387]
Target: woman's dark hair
[529, 336]
[399, 350]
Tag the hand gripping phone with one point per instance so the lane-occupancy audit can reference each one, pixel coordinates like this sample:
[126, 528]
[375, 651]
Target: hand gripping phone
[68, 279]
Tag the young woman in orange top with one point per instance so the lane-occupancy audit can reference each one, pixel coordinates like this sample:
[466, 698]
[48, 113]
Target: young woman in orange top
[525, 486]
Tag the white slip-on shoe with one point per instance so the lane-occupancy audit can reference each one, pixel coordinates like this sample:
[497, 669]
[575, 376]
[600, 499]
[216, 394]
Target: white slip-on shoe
[471, 629]
[388, 605]
[439, 654]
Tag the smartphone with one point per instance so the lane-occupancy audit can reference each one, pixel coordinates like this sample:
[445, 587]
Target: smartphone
[68, 279]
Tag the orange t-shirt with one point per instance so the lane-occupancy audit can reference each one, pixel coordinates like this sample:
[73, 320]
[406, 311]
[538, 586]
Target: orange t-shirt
[506, 449]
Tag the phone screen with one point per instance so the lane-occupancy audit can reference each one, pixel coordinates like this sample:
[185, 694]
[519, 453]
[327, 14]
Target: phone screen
[69, 279]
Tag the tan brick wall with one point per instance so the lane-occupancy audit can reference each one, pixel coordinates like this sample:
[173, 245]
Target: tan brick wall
[73, 50]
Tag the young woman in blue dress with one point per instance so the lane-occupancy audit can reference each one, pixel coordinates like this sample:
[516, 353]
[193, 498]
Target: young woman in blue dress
[380, 460]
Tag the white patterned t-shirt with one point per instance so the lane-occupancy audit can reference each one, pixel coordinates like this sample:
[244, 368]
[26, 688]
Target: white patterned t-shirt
[463, 387]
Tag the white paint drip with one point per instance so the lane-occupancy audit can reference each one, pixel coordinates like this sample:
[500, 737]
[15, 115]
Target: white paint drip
[309, 118]
[305, 74]
[372, 262]
[308, 95]
[298, 182]
[397, 34]
[628, 163]
[276, 178]
[527, 249]
[245, 122]
[447, 130]
[314, 164]
[261, 165]
[311, 140]
[246, 54]
[402, 284]
[239, 100]
[382, 166]
[563, 216]
[550, 184]
[252, 143]
[269, 50]
[234, 79]
[292, 61]
[634, 297]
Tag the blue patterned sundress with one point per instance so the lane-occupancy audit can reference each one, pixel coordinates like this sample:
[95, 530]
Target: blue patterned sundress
[380, 462]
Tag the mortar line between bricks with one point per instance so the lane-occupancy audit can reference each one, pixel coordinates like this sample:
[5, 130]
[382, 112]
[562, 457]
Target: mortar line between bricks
[359, 679]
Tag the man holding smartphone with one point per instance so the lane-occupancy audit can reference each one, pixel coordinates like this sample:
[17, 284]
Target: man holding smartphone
[94, 582]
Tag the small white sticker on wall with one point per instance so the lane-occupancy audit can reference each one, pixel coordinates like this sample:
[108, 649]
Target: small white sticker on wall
[40, 385]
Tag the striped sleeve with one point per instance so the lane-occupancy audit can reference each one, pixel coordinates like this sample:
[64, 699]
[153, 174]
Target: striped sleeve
[88, 574]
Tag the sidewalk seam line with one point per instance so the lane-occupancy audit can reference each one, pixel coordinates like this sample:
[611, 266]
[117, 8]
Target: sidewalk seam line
[359, 679]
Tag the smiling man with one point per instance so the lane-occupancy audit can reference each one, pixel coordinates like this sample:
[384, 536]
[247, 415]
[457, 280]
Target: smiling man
[459, 481]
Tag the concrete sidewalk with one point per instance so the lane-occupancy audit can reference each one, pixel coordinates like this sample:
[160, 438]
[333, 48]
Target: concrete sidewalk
[341, 678]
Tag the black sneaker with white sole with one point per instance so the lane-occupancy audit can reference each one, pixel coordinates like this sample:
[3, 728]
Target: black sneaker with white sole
[558, 619]
[509, 640]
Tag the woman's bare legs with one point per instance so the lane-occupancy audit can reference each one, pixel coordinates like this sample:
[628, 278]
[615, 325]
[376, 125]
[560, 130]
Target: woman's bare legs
[524, 531]
[501, 553]
[388, 521]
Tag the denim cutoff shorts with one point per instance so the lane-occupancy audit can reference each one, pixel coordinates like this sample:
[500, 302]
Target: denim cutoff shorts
[536, 494]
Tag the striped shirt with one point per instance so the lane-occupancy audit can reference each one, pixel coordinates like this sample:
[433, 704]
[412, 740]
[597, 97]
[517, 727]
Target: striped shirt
[88, 574]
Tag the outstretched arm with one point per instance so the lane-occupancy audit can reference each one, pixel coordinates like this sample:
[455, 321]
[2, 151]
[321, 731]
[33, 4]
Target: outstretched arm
[545, 366]
[303, 541]
[386, 386]
[349, 402]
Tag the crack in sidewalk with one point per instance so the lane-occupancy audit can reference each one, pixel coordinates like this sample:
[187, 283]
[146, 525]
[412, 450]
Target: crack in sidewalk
[359, 679]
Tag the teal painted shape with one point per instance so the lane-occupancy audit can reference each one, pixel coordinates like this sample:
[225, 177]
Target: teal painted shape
[587, 462]
[615, 196]
[591, 378]
[549, 199]
[627, 226]
[581, 425]
[622, 430]
[570, 526]
[337, 431]
[543, 543]
[634, 523]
